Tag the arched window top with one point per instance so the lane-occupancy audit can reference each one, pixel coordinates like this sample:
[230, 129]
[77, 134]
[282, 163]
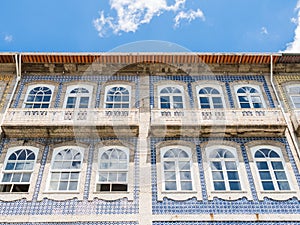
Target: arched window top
[176, 153]
[208, 91]
[114, 154]
[117, 96]
[68, 158]
[79, 90]
[266, 153]
[294, 89]
[247, 89]
[168, 90]
[221, 153]
[38, 96]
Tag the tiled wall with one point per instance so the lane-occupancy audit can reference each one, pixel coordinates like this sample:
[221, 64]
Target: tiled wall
[219, 206]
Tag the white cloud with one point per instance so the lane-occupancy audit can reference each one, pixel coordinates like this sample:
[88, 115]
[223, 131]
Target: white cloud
[294, 46]
[264, 30]
[131, 14]
[8, 38]
[190, 15]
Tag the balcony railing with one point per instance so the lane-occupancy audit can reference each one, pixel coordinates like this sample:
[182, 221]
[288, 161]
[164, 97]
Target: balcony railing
[218, 120]
[19, 120]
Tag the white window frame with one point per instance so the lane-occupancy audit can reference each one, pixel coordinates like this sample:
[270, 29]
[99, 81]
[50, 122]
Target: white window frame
[243, 177]
[171, 95]
[78, 95]
[274, 194]
[108, 87]
[210, 96]
[291, 94]
[259, 94]
[31, 87]
[112, 195]
[55, 152]
[195, 177]
[12, 196]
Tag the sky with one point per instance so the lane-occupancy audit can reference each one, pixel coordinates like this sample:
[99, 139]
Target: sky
[150, 25]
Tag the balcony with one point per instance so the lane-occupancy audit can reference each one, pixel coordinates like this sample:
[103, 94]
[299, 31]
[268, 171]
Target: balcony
[217, 122]
[71, 122]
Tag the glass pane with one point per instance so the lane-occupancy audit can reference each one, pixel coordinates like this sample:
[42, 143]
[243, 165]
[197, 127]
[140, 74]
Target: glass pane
[277, 165]
[76, 165]
[103, 177]
[26, 177]
[6, 177]
[230, 165]
[113, 177]
[165, 105]
[256, 99]
[262, 165]
[28, 166]
[184, 165]
[186, 175]
[122, 177]
[104, 165]
[55, 176]
[170, 176]
[245, 105]
[57, 165]
[204, 100]
[217, 100]
[235, 185]
[219, 186]
[268, 185]
[63, 185]
[177, 98]
[218, 175]
[20, 166]
[257, 105]
[283, 185]
[233, 175]
[186, 186]
[53, 186]
[16, 177]
[265, 175]
[178, 105]
[170, 186]
[65, 176]
[243, 99]
[73, 185]
[216, 165]
[280, 175]
[74, 176]
[169, 165]
[10, 166]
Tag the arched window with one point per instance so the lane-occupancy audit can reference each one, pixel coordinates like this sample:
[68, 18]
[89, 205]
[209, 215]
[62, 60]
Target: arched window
[78, 97]
[176, 167]
[117, 97]
[65, 169]
[38, 97]
[209, 98]
[17, 171]
[249, 97]
[224, 170]
[171, 98]
[294, 94]
[113, 170]
[270, 167]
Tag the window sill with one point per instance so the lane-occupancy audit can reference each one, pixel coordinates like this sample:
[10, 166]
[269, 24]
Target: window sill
[179, 195]
[13, 196]
[229, 195]
[60, 195]
[278, 195]
[111, 196]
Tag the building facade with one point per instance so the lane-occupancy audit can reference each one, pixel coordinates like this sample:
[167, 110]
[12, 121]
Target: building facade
[149, 138]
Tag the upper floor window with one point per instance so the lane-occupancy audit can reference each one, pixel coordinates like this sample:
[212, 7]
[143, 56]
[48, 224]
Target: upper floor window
[209, 98]
[17, 170]
[224, 170]
[171, 97]
[78, 97]
[176, 167]
[38, 96]
[271, 170]
[65, 169]
[117, 96]
[113, 170]
[249, 97]
[294, 93]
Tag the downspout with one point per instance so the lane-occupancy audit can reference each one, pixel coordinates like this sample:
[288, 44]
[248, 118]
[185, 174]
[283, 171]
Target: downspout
[290, 129]
[18, 78]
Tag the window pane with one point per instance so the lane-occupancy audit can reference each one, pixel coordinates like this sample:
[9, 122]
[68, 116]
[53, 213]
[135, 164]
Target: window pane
[186, 175]
[268, 185]
[277, 165]
[233, 175]
[53, 186]
[10, 166]
[63, 185]
[184, 165]
[262, 165]
[283, 185]
[219, 186]
[230, 165]
[170, 186]
[19, 166]
[6, 177]
[103, 177]
[16, 177]
[122, 177]
[73, 185]
[26, 177]
[280, 175]
[245, 105]
[216, 166]
[169, 165]
[112, 177]
[234, 185]
[186, 186]
[265, 175]
[170, 176]
[218, 175]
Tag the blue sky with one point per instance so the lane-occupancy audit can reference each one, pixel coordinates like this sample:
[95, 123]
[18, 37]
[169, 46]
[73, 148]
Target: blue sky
[104, 25]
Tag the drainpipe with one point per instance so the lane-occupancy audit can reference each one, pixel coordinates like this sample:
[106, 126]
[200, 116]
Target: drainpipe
[289, 126]
[18, 78]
